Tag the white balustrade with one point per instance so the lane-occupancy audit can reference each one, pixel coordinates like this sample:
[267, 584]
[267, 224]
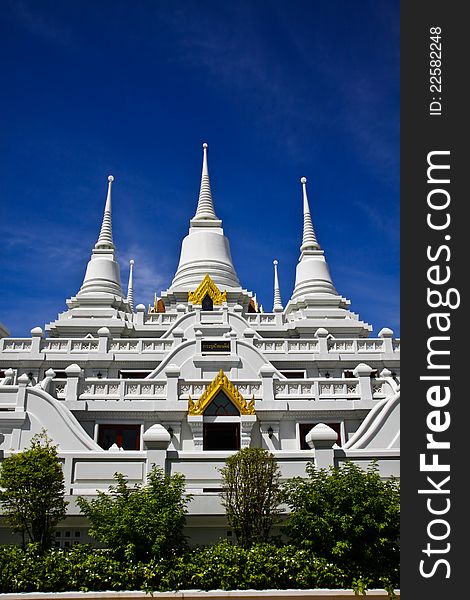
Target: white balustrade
[370, 345]
[157, 345]
[16, 345]
[125, 345]
[161, 318]
[145, 388]
[84, 345]
[120, 389]
[317, 389]
[57, 388]
[286, 346]
[261, 319]
[56, 345]
[341, 346]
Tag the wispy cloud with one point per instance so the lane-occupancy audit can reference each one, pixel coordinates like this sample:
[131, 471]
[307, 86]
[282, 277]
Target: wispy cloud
[34, 21]
[385, 221]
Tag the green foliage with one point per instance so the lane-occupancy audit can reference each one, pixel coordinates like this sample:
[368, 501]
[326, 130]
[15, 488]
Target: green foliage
[262, 566]
[350, 517]
[81, 568]
[140, 522]
[223, 566]
[252, 494]
[32, 498]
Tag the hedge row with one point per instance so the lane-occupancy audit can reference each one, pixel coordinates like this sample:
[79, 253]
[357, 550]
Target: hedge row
[223, 566]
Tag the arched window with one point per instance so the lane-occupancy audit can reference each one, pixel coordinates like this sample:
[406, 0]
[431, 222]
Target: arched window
[207, 303]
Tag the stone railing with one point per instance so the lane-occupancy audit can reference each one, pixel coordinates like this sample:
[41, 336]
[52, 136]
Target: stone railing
[337, 346]
[321, 388]
[333, 388]
[317, 389]
[356, 346]
[122, 389]
[69, 346]
[161, 318]
[140, 345]
[15, 345]
[286, 346]
[261, 319]
[75, 346]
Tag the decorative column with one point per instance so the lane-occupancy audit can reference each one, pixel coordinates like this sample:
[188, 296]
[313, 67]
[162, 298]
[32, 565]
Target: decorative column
[156, 440]
[387, 335]
[37, 335]
[172, 373]
[362, 372]
[322, 438]
[196, 424]
[249, 335]
[266, 373]
[178, 335]
[247, 422]
[103, 340]
[139, 314]
[23, 382]
[322, 335]
[74, 373]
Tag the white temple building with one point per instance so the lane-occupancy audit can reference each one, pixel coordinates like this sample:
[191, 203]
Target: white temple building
[200, 373]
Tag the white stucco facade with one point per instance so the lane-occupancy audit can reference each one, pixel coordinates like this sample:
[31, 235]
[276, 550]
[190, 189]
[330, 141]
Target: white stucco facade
[202, 372]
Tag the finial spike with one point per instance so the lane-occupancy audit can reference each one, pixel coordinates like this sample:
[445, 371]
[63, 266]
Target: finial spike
[309, 239]
[205, 206]
[277, 306]
[130, 286]
[105, 239]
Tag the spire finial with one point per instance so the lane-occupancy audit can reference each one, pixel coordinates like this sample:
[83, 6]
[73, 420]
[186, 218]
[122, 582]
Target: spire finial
[105, 239]
[205, 206]
[309, 239]
[130, 285]
[277, 306]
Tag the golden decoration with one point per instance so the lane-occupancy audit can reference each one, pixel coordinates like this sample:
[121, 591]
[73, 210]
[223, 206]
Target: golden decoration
[153, 309]
[207, 286]
[158, 306]
[221, 382]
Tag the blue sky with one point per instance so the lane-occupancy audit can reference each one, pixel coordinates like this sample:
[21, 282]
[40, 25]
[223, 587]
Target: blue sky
[278, 88]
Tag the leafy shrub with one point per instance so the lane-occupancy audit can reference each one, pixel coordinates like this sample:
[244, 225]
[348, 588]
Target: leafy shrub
[222, 566]
[350, 517]
[80, 568]
[252, 494]
[32, 497]
[140, 522]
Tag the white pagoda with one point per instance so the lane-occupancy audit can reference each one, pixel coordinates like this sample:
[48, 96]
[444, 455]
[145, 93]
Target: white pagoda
[198, 374]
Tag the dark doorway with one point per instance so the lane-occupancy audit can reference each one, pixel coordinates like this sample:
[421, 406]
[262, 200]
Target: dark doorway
[207, 303]
[221, 436]
[126, 437]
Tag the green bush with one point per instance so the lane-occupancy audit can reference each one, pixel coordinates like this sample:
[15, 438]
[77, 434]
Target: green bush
[32, 498]
[81, 568]
[140, 522]
[349, 517]
[251, 494]
[222, 566]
